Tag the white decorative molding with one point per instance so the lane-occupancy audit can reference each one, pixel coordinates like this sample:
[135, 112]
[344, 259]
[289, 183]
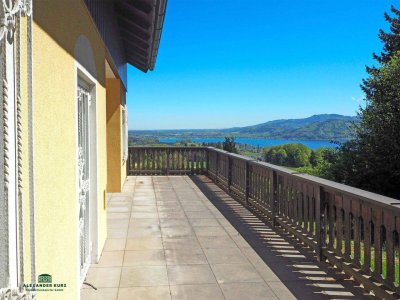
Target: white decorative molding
[16, 294]
[11, 144]
[18, 117]
[29, 41]
[5, 137]
[26, 8]
[125, 137]
[9, 11]
[4, 252]
[83, 184]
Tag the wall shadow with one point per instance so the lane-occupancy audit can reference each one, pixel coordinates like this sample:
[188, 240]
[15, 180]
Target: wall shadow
[69, 24]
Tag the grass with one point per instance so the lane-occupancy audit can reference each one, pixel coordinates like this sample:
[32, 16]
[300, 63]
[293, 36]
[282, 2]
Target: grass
[307, 225]
[372, 262]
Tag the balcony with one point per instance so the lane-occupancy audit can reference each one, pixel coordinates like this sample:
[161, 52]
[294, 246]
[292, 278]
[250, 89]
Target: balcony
[201, 223]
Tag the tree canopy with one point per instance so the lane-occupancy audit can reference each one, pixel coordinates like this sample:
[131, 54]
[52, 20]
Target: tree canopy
[229, 144]
[289, 155]
[372, 160]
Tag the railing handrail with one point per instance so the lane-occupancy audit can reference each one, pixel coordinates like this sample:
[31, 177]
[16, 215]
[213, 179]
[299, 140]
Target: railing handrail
[327, 184]
[235, 155]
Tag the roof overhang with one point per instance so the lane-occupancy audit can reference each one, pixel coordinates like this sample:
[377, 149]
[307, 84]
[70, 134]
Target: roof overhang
[141, 23]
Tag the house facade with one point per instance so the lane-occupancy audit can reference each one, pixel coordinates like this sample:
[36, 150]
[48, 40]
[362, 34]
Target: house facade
[63, 135]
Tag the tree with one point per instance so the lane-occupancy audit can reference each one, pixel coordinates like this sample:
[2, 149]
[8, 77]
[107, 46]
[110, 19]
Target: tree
[390, 40]
[372, 160]
[315, 158]
[289, 155]
[276, 155]
[298, 155]
[229, 144]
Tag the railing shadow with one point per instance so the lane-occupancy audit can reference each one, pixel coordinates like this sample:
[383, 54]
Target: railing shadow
[291, 261]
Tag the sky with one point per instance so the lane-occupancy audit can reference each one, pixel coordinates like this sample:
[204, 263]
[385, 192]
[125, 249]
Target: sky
[228, 63]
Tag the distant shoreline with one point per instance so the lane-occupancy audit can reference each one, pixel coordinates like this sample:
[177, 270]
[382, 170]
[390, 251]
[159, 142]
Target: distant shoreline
[262, 142]
[179, 137]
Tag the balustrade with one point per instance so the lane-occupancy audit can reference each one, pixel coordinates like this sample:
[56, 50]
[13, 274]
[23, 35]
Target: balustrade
[354, 229]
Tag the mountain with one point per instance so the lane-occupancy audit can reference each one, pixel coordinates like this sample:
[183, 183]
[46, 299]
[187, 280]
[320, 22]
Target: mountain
[316, 127]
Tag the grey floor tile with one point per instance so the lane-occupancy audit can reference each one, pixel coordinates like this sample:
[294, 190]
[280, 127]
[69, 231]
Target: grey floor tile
[180, 243]
[225, 256]
[143, 208]
[248, 291]
[118, 223]
[145, 201]
[144, 258]
[119, 209]
[144, 222]
[173, 203]
[228, 273]
[173, 222]
[185, 256]
[204, 222]
[99, 294]
[196, 292]
[145, 293]
[280, 290]
[104, 277]
[117, 233]
[210, 231]
[117, 216]
[144, 232]
[216, 243]
[240, 241]
[144, 276]
[196, 208]
[115, 244]
[177, 231]
[172, 215]
[169, 208]
[144, 243]
[190, 274]
[199, 215]
[110, 259]
[144, 215]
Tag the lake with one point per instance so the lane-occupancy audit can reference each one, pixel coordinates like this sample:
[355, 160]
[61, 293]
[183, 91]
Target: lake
[256, 142]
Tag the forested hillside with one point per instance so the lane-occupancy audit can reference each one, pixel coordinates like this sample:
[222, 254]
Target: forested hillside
[317, 127]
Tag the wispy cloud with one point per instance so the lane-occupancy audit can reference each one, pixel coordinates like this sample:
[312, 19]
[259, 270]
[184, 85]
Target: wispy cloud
[359, 99]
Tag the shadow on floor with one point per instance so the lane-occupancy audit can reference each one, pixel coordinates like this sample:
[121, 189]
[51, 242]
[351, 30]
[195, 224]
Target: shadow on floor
[293, 262]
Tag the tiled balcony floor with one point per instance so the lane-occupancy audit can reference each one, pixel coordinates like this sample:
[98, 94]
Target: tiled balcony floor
[167, 240]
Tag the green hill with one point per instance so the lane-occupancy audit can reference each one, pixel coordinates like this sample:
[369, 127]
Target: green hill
[317, 127]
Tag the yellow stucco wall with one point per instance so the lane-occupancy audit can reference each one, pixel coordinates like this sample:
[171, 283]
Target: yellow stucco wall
[102, 168]
[116, 170]
[57, 27]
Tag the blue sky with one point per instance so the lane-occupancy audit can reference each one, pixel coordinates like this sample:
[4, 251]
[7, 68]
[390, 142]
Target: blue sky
[226, 63]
